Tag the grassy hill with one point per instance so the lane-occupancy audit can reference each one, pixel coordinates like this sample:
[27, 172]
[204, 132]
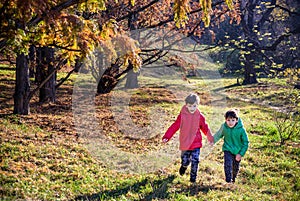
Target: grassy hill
[44, 158]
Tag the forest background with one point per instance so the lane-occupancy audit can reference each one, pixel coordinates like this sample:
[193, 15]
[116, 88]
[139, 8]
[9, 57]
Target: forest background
[127, 65]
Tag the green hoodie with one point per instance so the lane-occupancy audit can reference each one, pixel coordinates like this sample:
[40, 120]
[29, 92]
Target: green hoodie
[235, 139]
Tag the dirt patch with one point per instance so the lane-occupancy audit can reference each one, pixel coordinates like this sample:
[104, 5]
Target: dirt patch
[140, 104]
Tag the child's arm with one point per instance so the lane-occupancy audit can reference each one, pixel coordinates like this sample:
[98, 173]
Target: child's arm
[206, 130]
[245, 143]
[219, 134]
[172, 129]
[209, 136]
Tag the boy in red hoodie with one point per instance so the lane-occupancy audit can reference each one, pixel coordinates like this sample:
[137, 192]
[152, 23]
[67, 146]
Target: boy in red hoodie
[191, 123]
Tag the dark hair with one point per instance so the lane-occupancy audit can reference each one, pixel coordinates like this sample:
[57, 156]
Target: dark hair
[232, 114]
[192, 98]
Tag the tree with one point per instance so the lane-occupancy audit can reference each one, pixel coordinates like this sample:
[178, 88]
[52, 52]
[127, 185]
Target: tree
[50, 25]
[268, 38]
[75, 28]
[22, 87]
[167, 20]
[44, 67]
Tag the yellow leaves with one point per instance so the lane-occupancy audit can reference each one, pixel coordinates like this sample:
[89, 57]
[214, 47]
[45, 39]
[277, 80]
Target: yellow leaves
[42, 40]
[267, 34]
[109, 29]
[92, 6]
[229, 4]
[279, 65]
[181, 9]
[132, 2]
[136, 61]
[291, 73]
[206, 7]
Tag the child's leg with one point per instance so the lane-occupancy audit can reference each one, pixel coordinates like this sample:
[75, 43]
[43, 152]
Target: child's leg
[194, 166]
[228, 159]
[185, 161]
[235, 169]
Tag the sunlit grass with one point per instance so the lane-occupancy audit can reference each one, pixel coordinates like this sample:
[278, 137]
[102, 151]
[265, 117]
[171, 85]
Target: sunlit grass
[70, 80]
[37, 165]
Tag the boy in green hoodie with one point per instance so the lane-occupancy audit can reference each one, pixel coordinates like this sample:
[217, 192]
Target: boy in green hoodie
[235, 144]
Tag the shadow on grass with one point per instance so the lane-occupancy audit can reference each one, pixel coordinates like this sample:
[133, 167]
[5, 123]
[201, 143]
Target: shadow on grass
[159, 190]
[226, 87]
[196, 189]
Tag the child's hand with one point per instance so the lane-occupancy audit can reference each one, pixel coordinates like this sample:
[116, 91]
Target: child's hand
[210, 138]
[238, 157]
[165, 140]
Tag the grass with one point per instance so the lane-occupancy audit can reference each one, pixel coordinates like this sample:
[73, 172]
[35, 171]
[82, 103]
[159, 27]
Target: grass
[272, 92]
[42, 162]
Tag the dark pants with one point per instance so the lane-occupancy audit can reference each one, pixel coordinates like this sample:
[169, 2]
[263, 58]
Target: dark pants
[231, 166]
[191, 156]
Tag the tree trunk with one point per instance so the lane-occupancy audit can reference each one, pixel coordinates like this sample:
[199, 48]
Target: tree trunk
[22, 87]
[132, 77]
[106, 84]
[45, 60]
[248, 18]
[132, 80]
[32, 59]
[250, 74]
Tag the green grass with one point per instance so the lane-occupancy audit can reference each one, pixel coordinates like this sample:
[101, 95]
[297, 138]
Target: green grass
[37, 164]
[272, 92]
[34, 166]
[70, 80]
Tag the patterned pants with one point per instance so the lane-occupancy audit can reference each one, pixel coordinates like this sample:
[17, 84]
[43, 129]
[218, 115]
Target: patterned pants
[231, 166]
[191, 156]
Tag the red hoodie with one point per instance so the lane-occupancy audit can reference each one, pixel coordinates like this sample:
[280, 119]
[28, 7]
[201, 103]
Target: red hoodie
[190, 126]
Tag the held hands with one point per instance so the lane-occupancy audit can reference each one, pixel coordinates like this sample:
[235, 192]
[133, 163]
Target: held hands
[165, 140]
[210, 139]
[238, 157]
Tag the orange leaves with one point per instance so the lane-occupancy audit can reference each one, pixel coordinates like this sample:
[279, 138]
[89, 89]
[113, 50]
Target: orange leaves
[127, 50]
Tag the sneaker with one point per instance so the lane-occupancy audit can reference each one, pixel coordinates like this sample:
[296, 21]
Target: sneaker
[229, 185]
[182, 170]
